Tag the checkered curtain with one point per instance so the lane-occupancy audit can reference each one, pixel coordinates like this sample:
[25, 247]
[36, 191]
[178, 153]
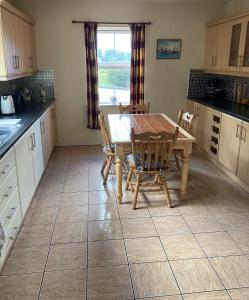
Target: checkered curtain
[92, 74]
[137, 63]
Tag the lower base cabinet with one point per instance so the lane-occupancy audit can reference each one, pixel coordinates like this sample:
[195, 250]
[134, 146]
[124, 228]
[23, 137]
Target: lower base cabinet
[243, 164]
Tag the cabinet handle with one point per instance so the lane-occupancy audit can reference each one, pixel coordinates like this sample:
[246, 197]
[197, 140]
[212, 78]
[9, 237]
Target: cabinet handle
[43, 128]
[34, 141]
[12, 212]
[238, 131]
[14, 61]
[18, 62]
[5, 170]
[243, 130]
[12, 237]
[215, 129]
[10, 188]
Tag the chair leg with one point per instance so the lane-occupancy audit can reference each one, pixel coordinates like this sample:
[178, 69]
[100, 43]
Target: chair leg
[177, 162]
[108, 166]
[128, 179]
[103, 166]
[166, 191]
[136, 192]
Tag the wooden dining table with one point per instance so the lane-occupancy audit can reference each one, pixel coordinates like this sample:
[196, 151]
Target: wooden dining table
[120, 132]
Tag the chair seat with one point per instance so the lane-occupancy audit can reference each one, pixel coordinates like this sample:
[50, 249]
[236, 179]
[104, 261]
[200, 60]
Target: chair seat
[135, 162]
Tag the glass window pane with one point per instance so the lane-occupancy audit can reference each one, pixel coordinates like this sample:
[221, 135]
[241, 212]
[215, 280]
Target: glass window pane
[123, 47]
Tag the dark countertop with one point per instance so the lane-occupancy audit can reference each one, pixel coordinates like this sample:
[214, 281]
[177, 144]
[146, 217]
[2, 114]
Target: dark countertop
[29, 113]
[231, 108]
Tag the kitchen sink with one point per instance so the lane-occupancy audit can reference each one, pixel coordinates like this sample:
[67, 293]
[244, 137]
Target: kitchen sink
[8, 127]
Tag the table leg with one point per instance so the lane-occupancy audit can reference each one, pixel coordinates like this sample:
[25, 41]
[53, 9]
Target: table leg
[119, 168]
[184, 182]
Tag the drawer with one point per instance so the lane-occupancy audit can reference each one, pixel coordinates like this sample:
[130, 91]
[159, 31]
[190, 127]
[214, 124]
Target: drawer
[7, 188]
[8, 211]
[11, 234]
[6, 165]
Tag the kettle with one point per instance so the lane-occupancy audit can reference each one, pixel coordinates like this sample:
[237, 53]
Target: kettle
[7, 105]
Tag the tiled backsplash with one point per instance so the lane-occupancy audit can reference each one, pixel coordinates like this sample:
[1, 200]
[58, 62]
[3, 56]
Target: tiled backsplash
[43, 80]
[198, 81]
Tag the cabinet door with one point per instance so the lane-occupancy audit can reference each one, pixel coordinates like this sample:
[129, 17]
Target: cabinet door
[44, 122]
[235, 33]
[244, 59]
[9, 32]
[211, 48]
[53, 127]
[37, 155]
[203, 126]
[24, 165]
[229, 142]
[243, 166]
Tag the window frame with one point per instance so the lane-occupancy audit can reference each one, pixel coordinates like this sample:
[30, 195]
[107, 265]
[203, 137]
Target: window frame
[115, 65]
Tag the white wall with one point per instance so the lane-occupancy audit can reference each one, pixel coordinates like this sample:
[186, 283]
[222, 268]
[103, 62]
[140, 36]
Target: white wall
[234, 7]
[60, 46]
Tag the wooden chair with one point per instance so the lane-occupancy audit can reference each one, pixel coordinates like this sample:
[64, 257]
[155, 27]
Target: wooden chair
[185, 121]
[150, 156]
[108, 148]
[134, 109]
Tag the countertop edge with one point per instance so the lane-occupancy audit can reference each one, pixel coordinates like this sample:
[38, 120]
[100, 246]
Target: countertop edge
[226, 111]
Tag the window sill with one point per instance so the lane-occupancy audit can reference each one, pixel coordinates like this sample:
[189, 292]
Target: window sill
[113, 104]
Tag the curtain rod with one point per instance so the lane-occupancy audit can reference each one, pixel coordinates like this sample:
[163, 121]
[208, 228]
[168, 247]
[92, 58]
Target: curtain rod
[114, 23]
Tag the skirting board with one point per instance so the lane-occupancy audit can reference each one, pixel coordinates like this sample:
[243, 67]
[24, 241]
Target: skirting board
[240, 182]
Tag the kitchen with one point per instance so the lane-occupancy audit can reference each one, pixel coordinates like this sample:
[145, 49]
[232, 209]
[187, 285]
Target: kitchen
[65, 235]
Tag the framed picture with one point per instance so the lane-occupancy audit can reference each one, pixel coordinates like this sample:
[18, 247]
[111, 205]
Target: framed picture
[168, 49]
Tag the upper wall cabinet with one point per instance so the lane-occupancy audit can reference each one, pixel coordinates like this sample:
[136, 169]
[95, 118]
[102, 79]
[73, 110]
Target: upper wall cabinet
[227, 47]
[17, 47]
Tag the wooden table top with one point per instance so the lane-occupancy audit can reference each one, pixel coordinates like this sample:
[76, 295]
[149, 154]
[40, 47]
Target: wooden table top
[120, 126]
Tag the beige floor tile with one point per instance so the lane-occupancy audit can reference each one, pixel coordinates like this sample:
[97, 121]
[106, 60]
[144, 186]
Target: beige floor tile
[35, 235]
[20, 287]
[26, 260]
[75, 183]
[103, 212]
[70, 284]
[217, 244]
[181, 247]
[153, 279]
[106, 253]
[175, 297]
[77, 167]
[199, 224]
[126, 211]
[99, 197]
[163, 210]
[53, 177]
[49, 188]
[50, 200]
[195, 275]
[194, 208]
[70, 233]
[144, 250]
[140, 227]
[232, 270]
[96, 184]
[109, 283]
[67, 256]
[72, 214]
[170, 225]
[217, 295]
[104, 230]
[43, 215]
[74, 199]
[239, 294]
[234, 221]
[241, 238]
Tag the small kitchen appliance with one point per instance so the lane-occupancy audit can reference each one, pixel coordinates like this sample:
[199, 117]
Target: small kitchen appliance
[7, 105]
[26, 94]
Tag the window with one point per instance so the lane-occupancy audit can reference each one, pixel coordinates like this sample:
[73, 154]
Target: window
[114, 57]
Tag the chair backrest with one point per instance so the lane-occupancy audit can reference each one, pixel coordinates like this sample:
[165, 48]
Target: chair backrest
[186, 120]
[153, 150]
[104, 130]
[179, 117]
[134, 109]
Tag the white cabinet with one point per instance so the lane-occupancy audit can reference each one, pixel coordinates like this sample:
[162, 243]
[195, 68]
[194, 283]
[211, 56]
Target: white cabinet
[48, 131]
[37, 156]
[25, 175]
[243, 165]
[17, 51]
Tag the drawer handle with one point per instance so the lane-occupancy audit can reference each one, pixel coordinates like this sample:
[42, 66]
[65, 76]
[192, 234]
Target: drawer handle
[213, 150]
[5, 170]
[216, 119]
[215, 129]
[10, 188]
[214, 140]
[12, 237]
[12, 212]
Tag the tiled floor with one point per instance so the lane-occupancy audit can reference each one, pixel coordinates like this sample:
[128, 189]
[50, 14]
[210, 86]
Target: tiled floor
[77, 243]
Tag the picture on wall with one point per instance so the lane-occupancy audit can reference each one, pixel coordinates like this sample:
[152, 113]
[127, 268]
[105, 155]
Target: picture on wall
[168, 49]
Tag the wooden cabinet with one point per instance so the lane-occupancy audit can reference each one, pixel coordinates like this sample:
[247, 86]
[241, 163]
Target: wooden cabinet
[24, 165]
[229, 142]
[17, 51]
[243, 164]
[37, 156]
[48, 131]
